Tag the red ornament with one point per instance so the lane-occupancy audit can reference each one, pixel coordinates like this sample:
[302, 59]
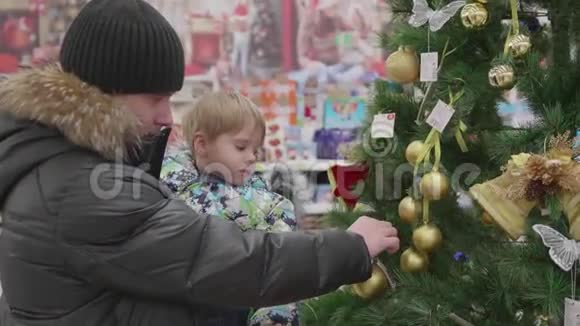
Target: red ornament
[348, 182]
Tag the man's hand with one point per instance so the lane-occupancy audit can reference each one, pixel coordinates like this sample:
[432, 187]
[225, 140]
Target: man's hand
[378, 235]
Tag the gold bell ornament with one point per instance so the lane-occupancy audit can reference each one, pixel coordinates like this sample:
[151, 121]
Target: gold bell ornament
[414, 151]
[434, 185]
[502, 76]
[525, 182]
[376, 286]
[570, 203]
[402, 66]
[409, 210]
[509, 215]
[486, 218]
[414, 261]
[519, 45]
[427, 238]
[474, 15]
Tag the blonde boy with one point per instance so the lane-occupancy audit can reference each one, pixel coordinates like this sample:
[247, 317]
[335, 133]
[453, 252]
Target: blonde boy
[214, 173]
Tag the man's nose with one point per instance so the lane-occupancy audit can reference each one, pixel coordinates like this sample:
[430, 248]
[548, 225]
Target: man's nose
[164, 114]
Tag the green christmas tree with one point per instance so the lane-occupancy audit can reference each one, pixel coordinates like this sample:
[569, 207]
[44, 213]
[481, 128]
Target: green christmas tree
[481, 273]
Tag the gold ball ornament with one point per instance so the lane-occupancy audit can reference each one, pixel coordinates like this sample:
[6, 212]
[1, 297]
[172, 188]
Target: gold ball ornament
[413, 261]
[427, 238]
[502, 76]
[434, 186]
[413, 151]
[474, 15]
[373, 288]
[402, 66]
[409, 210]
[519, 45]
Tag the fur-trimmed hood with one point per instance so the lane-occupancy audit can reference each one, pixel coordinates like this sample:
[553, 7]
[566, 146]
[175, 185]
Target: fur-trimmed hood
[82, 113]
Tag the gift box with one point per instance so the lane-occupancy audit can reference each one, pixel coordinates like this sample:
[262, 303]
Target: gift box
[344, 108]
[329, 142]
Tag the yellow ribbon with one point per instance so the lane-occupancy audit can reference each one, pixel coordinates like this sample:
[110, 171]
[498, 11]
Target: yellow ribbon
[432, 142]
[437, 143]
[455, 97]
[425, 211]
[515, 20]
[514, 28]
[459, 137]
[424, 156]
[462, 127]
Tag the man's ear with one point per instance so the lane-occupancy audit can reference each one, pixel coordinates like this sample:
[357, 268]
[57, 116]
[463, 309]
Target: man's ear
[199, 144]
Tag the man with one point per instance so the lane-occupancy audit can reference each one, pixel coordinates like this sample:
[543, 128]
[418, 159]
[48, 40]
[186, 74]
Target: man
[90, 238]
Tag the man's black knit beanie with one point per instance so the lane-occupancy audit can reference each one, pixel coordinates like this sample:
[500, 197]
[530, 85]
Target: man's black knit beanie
[124, 47]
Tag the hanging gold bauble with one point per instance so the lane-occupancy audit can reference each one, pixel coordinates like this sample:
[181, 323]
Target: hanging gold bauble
[486, 218]
[413, 261]
[502, 76]
[409, 210]
[402, 66]
[519, 45]
[434, 185]
[375, 287]
[474, 15]
[427, 238]
[413, 151]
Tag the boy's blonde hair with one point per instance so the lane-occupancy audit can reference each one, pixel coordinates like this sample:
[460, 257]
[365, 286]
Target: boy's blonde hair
[217, 113]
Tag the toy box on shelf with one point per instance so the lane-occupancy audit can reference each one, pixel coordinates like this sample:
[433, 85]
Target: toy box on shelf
[344, 110]
[327, 121]
[18, 34]
[277, 102]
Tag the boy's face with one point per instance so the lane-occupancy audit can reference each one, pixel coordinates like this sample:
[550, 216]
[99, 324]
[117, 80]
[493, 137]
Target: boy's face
[232, 155]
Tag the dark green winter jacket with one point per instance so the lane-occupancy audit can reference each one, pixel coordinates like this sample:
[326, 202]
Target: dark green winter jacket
[87, 241]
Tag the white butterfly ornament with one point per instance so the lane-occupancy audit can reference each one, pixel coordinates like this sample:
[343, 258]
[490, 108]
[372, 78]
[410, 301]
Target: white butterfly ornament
[563, 251]
[422, 14]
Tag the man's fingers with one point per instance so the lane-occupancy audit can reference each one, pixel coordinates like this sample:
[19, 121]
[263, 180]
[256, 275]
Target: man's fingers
[392, 245]
[390, 232]
[387, 224]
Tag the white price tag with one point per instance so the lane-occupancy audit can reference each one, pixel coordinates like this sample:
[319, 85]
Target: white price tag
[571, 312]
[383, 126]
[440, 116]
[429, 66]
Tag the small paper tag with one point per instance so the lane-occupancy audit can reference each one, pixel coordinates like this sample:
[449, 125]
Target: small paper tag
[571, 312]
[429, 66]
[383, 126]
[440, 116]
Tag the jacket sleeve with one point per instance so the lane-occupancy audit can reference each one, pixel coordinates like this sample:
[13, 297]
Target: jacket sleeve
[119, 228]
